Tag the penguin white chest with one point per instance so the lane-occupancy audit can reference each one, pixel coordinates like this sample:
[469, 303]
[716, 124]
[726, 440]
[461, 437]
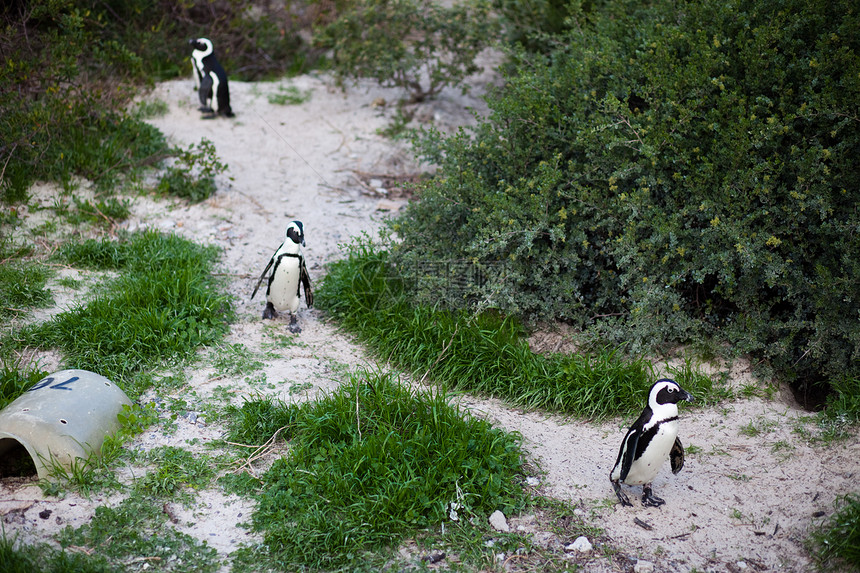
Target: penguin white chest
[645, 468]
[283, 291]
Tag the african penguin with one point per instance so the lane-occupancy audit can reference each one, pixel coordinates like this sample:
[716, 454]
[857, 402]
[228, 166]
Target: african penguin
[210, 79]
[289, 273]
[649, 441]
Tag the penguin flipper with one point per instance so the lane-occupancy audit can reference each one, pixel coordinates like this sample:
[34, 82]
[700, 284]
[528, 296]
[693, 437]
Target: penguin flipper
[305, 279]
[205, 91]
[262, 276]
[631, 441]
[676, 456]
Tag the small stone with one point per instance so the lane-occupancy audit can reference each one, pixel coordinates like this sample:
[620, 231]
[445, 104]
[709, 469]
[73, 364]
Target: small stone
[580, 545]
[499, 522]
[741, 565]
[643, 567]
[434, 557]
[45, 513]
[532, 481]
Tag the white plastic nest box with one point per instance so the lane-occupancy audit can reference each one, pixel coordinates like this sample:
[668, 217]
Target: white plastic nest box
[65, 416]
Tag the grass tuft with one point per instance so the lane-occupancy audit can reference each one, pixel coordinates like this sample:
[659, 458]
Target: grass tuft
[176, 469]
[163, 304]
[371, 463]
[138, 527]
[45, 559]
[483, 352]
[835, 545]
[22, 282]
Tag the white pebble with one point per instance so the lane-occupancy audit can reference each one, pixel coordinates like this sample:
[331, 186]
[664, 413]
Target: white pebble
[499, 522]
[580, 545]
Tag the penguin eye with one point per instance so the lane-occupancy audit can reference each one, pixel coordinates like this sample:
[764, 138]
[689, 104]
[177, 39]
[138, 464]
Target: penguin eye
[670, 389]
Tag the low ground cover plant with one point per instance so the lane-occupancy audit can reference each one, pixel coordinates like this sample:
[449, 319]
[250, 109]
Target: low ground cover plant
[164, 303]
[835, 544]
[371, 464]
[483, 352]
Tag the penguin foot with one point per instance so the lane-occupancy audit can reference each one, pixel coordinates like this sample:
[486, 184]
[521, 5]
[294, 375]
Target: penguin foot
[622, 497]
[269, 311]
[205, 109]
[294, 325]
[649, 499]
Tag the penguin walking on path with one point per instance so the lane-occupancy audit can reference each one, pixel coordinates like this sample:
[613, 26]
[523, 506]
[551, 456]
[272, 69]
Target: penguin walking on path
[649, 441]
[289, 274]
[210, 79]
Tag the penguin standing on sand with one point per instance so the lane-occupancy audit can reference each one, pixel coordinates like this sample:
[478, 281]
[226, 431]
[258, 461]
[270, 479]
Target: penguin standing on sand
[210, 79]
[649, 441]
[289, 274]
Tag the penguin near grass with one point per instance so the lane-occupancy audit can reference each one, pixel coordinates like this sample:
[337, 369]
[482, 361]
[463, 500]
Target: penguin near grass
[210, 79]
[649, 441]
[289, 274]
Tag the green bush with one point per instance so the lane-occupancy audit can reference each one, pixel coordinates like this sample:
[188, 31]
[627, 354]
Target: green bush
[192, 176]
[419, 45]
[667, 174]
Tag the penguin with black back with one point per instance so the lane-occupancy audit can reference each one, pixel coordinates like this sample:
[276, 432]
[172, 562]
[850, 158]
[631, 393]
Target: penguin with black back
[210, 79]
[289, 275]
[650, 440]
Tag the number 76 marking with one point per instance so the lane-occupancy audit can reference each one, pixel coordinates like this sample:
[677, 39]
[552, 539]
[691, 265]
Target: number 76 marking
[58, 386]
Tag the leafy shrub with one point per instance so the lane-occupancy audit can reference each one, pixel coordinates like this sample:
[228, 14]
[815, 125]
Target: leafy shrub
[193, 174]
[356, 476]
[419, 45]
[666, 174]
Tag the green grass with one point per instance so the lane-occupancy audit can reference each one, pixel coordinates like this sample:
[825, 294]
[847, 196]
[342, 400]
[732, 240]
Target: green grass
[14, 380]
[843, 410]
[289, 95]
[370, 464]
[136, 535]
[176, 472]
[162, 306]
[485, 352]
[44, 558]
[835, 545]
[22, 281]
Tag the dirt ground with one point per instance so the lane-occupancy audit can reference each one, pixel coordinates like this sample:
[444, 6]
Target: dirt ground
[741, 502]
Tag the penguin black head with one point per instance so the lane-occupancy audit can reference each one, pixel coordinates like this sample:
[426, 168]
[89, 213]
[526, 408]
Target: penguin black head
[296, 233]
[666, 391]
[201, 45]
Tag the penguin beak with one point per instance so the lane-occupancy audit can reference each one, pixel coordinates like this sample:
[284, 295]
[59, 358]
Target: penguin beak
[687, 396]
[303, 241]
